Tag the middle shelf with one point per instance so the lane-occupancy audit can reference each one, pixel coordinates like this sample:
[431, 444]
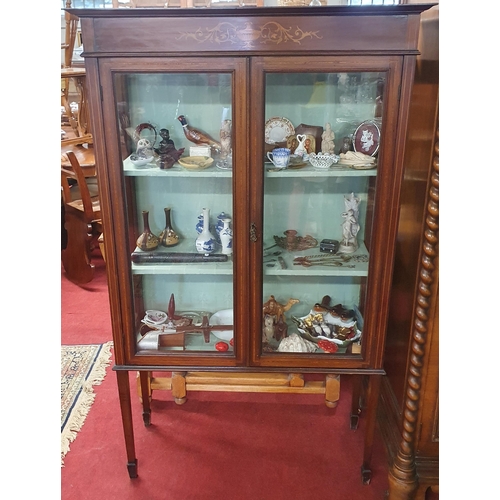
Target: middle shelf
[355, 264]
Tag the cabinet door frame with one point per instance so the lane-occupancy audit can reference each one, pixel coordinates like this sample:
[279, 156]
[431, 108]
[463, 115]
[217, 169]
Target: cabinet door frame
[113, 193]
[386, 211]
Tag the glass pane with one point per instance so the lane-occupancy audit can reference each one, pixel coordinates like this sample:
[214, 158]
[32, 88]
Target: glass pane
[176, 153]
[322, 136]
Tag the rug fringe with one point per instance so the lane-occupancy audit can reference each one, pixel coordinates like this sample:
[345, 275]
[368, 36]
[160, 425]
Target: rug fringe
[80, 412]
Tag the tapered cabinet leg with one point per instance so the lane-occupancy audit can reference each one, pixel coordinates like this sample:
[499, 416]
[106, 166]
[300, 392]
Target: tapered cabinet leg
[356, 401]
[374, 382]
[140, 389]
[128, 428]
[145, 378]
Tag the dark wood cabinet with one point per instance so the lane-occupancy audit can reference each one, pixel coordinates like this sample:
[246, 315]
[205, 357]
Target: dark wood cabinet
[409, 406]
[270, 306]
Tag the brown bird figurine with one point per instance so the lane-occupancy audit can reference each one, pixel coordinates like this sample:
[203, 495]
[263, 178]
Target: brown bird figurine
[197, 136]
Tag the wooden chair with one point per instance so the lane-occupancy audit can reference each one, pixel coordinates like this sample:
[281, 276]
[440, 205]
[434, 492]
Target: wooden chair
[81, 215]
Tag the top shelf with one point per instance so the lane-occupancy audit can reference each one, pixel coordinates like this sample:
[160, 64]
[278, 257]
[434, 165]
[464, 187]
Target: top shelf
[308, 171]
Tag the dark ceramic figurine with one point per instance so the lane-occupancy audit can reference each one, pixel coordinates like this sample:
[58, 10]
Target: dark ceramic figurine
[346, 145]
[166, 150]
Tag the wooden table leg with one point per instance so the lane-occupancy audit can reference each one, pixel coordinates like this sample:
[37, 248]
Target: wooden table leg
[179, 387]
[371, 418]
[128, 428]
[145, 378]
[332, 390]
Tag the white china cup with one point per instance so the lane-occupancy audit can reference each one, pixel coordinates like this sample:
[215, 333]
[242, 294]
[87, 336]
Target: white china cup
[280, 157]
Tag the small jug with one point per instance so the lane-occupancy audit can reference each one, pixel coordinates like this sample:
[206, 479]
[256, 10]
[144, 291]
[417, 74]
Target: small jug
[279, 157]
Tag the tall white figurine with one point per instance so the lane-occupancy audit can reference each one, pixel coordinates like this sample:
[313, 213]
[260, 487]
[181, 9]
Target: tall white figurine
[350, 226]
[327, 144]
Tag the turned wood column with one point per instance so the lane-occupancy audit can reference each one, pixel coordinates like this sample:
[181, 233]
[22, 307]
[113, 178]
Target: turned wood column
[403, 479]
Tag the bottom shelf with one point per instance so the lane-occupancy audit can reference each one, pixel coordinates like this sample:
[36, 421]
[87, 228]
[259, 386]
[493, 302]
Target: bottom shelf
[293, 383]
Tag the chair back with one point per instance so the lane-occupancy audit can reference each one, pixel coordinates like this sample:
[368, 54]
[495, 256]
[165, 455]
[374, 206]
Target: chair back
[81, 194]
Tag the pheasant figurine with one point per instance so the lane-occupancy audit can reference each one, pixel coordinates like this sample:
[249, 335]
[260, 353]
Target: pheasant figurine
[197, 136]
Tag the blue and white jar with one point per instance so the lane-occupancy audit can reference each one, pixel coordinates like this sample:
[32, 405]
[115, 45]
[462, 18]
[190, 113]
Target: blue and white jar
[226, 237]
[219, 225]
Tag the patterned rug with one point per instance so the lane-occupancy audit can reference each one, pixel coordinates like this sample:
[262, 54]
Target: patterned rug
[82, 366]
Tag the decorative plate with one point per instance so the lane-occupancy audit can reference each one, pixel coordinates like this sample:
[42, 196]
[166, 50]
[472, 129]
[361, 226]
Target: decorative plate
[154, 317]
[278, 130]
[224, 317]
[195, 162]
[145, 126]
[366, 138]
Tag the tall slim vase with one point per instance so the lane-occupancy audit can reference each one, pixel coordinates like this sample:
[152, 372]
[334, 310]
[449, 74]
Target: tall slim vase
[205, 243]
[147, 240]
[168, 237]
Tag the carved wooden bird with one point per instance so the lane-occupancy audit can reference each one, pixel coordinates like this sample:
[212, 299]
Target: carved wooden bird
[197, 136]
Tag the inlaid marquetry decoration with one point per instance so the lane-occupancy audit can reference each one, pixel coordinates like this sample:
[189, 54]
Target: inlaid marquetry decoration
[270, 32]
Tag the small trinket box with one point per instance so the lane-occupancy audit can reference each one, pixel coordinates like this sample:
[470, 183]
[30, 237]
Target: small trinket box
[329, 246]
[200, 151]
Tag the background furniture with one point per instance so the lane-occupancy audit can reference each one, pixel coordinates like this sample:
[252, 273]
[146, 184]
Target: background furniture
[73, 80]
[241, 60]
[81, 209]
[409, 408]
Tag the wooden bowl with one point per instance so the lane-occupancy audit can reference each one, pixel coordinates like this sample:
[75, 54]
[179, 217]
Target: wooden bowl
[195, 162]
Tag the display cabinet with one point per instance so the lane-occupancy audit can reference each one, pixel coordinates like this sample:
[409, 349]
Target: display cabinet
[250, 163]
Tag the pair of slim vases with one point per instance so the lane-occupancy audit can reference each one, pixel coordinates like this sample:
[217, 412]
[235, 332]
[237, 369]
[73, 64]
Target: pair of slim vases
[205, 242]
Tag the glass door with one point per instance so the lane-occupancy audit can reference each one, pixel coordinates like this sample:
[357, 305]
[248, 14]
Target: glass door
[177, 171]
[323, 134]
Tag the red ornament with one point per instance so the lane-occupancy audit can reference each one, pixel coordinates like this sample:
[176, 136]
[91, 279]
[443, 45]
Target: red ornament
[231, 342]
[221, 346]
[328, 346]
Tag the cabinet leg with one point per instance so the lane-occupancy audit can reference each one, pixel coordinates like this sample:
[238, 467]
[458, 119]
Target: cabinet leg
[132, 469]
[128, 428]
[332, 390]
[179, 387]
[356, 401]
[145, 381]
[140, 390]
[371, 419]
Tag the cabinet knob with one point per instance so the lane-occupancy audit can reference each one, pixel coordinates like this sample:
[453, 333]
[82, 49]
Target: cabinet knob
[253, 232]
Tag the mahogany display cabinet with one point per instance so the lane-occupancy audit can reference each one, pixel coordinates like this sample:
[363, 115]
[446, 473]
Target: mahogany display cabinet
[226, 269]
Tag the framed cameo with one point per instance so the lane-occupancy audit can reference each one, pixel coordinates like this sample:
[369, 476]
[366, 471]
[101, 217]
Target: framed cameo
[366, 138]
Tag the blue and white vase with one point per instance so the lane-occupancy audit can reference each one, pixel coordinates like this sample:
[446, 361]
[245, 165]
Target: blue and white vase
[199, 224]
[205, 243]
[220, 224]
[226, 237]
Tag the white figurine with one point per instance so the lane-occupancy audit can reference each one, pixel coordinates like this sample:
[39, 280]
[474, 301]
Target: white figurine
[327, 143]
[144, 149]
[301, 148]
[350, 226]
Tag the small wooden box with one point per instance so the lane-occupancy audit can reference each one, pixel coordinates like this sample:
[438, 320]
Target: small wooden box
[171, 340]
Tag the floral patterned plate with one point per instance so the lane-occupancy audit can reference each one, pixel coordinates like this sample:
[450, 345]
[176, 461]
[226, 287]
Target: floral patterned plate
[278, 129]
